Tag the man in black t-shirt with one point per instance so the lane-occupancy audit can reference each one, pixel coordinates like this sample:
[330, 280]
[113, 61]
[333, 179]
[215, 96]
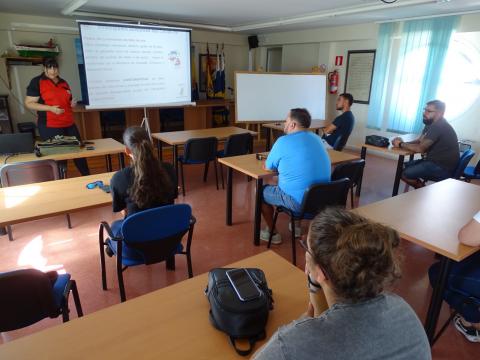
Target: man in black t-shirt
[439, 145]
[336, 134]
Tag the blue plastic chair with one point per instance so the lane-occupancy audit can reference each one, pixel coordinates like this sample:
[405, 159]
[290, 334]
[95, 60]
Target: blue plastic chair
[199, 151]
[472, 172]
[29, 295]
[148, 237]
[465, 158]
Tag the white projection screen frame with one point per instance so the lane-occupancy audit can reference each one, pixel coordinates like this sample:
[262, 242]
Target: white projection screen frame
[128, 65]
[267, 97]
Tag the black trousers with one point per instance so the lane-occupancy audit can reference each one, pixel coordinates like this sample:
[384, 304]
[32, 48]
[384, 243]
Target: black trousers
[48, 133]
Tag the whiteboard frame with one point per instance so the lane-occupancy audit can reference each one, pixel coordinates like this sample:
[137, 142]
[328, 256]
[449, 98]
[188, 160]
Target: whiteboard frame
[267, 73]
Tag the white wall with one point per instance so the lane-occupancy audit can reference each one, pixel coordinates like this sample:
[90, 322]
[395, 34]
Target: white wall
[236, 51]
[334, 41]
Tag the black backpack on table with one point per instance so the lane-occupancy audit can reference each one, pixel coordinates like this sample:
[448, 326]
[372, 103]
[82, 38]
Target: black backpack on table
[238, 319]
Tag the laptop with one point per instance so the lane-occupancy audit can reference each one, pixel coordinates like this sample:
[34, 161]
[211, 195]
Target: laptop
[17, 143]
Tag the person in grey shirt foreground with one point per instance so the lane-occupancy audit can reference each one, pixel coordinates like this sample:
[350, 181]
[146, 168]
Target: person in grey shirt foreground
[352, 260]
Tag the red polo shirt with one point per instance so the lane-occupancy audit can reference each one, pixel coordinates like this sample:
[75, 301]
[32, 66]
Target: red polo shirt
[52, 94]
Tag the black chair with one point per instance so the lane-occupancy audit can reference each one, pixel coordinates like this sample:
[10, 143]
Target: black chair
[29, 295]
[199, 151]
[148, 237]
[239, 144]
[316, 198]
[30, 172]
[352, 170]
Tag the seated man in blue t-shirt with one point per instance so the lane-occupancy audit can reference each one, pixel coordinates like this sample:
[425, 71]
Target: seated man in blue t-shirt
[301, 160]
[341, 128]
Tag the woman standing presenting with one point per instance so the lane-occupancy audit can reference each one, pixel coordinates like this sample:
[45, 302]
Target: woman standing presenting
[50, 96]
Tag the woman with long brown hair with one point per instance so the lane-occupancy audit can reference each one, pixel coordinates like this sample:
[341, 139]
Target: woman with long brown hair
[146, 183]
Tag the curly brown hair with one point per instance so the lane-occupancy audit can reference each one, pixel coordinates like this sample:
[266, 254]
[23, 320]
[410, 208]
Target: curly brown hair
[151, 184]
[359, 257]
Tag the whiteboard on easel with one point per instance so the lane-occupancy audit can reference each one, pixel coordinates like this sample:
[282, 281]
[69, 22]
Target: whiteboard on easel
[267, 97]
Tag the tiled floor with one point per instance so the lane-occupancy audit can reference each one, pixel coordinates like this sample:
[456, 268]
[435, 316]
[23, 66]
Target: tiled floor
[49, 244]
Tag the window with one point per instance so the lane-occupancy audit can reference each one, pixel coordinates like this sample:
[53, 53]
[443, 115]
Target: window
[460, 81]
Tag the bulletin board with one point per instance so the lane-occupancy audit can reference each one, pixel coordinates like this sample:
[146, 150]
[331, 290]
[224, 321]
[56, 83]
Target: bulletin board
[358, 79]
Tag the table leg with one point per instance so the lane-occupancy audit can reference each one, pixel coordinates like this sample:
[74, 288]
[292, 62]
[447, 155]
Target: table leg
[229, 194]
[267, 142]
[437, 298]
[121, 160]
[175, 159]
[398, 175]
[258, 212]
[363, 155]
[109, 162]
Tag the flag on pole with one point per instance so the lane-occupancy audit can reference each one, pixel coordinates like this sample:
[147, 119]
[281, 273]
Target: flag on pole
[209, 87]
[195, 94]
[219, 82]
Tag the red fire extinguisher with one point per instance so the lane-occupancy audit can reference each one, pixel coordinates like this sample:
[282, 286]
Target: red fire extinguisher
[333, 81]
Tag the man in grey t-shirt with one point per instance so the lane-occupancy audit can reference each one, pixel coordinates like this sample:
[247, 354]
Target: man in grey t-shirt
[438, 142]
[349, 262]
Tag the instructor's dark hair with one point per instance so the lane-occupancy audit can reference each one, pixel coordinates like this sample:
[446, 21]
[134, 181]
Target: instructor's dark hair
[50, 63]
[301, 116]
[358, 256]
[151, 183]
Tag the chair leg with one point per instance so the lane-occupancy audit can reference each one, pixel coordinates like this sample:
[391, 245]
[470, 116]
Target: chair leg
[294, 247]
[76, 298]
[65, 313]
[69, 221]
[183, 178]
[352, 198]
[221, 175]
[205, 171]
[102, 261]
[170, 263]
[9, 232]
[272, 230]
[121, 285]
[189, 265]
[216, 172]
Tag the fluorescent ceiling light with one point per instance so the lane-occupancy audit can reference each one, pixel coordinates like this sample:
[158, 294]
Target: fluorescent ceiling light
[73, 6]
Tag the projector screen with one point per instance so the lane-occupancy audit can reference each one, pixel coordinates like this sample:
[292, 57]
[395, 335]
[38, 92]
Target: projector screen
[264, 97]
[135, 65]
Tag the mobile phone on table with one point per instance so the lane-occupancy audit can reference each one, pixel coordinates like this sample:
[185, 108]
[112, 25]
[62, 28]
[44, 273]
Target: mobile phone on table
[243, 284]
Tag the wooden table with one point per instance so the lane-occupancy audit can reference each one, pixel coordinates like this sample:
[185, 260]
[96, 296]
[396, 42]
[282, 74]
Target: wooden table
[391, 150]
[177, 138]
[198, 116]
[249, 165]
[431, 217]
[35, 201]
[279, 126]
[170, 323]
[103, 147]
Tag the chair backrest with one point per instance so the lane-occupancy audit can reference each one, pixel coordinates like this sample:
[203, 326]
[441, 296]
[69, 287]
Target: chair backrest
[26, 296]
[28, 172]
[203, 149]
[319, 196]
[352, 170]
[239, 144]
[463, 162]
[156, 233]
